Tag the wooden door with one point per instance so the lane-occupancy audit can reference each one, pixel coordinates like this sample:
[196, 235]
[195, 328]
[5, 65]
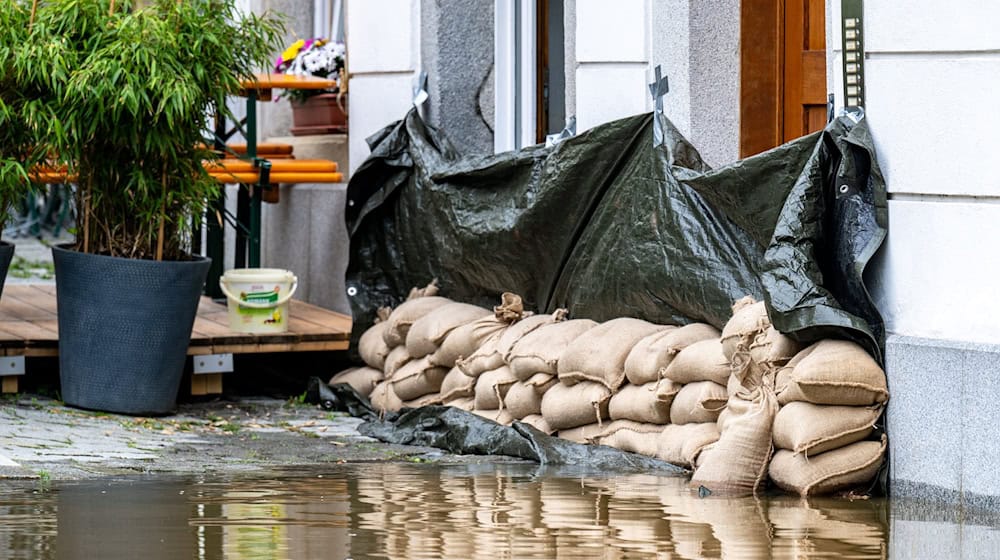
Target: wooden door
[783, 71]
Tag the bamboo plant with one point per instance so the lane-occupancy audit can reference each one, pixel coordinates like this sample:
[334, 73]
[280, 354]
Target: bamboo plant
[129, 89]
[19, 148]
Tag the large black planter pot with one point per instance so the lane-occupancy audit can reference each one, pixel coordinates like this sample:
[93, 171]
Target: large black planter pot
[6, 255]
[124, 329]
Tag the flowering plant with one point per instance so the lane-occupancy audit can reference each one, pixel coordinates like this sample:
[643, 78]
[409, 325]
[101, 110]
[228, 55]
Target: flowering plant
[312, 57]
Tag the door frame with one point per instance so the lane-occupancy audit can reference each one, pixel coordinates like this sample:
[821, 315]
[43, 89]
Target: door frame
[515, 74]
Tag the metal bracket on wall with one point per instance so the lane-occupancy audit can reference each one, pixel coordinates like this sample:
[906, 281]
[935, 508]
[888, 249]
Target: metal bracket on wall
[207, 370]
[853, 45]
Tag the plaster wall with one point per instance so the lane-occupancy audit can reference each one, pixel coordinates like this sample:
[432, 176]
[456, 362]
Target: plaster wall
[930, 72]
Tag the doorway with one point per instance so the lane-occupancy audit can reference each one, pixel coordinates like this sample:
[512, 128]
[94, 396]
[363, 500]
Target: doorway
[782, 72]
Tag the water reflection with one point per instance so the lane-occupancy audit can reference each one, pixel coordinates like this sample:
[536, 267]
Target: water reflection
[426, 511]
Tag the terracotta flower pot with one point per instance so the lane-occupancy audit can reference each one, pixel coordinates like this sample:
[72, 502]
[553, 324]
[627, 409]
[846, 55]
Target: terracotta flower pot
[320, 114]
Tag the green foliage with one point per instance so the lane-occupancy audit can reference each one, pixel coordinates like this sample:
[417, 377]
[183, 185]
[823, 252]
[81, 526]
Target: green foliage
[19, 148]
[125, 99]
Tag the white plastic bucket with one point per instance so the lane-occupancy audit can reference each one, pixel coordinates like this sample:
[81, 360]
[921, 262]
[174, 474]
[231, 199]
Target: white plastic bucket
[258, 298]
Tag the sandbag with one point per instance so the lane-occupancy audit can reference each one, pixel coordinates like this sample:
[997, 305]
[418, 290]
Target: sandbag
[426, 400]
[372, 346]
[463, 341]
[492, 386]
[384, 399]
[539, 351]
[599, 354]
[567, 407]
[809, 428]
[682, 444]
[403, 317]
[723, 418]
[498, 416]
[428, 332]
[642, 403]
[362, 379]
[833, 372]
[395, 360]
[456, 385]
[748, 321]
[634, 437]
[417, 378]
[525, 326]
[524, 398]
[773, 349]
[737, 463]
[841, 469]
[462, 403]
[652, 354]
[701, 361]
[485, 358]
[539, 423]
[698, 402]
[581, 434]
[488, 355]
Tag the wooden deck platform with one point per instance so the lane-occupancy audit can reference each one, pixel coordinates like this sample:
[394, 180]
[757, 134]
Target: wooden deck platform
[29, 327]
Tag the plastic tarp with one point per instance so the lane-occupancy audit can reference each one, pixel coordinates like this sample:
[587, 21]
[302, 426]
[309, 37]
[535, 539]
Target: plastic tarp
[608, 225]
[461, 432]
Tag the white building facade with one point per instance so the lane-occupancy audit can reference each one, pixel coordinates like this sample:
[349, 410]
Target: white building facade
[930, 69]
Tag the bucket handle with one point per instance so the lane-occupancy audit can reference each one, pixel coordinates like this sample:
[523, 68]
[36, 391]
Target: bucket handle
[282, 300]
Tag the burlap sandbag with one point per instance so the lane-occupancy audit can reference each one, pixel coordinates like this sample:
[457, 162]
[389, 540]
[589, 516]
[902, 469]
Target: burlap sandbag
[581, 434]
[701, 361]
[485, 358]
[773, 348]
[539, 423]
[539, 351]
[524, 398]
[652, 354]
[512, 334]
[748, 321]
[698, 402]
[642, 403]
[363, 380]
[396, 359]
[463, 403]
[416, 379]
[463, 341]
[403, 317]
[428, 332]
[372, 346]
[841, 469]
[456, 385]
[599, 354]
[723, 418]
[813, 429]
[681, 444]
[384, 399]
[426, 400]
[492, 386]
[567, 407]
[833, 372]
[496, 415]
[634, 437]
[737, 463]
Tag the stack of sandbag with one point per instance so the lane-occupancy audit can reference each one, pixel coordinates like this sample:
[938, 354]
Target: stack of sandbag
[590, 370]
[485, 369]
[831, 395]
[737, 463]
[668, 415]
[410, 335]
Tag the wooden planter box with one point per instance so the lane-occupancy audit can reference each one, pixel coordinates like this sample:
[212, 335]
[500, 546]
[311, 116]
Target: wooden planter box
[320, 114]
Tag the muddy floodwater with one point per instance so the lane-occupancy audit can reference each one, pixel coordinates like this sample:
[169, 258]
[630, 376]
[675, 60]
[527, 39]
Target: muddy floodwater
[400, 510]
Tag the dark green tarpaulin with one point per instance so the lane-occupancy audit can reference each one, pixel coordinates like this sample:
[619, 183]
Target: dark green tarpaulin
[607, 225]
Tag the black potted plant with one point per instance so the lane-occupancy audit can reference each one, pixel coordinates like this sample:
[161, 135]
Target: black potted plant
[131, 86]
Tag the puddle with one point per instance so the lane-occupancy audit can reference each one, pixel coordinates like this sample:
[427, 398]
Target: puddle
[391, 510]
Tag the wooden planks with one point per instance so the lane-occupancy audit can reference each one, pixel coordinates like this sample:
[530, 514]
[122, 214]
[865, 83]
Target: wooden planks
[29, 327]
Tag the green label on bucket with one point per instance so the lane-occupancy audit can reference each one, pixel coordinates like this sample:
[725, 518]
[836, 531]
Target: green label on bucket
[260, 297]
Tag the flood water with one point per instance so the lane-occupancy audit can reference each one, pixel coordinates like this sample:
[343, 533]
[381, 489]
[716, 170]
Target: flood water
[390, 510]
